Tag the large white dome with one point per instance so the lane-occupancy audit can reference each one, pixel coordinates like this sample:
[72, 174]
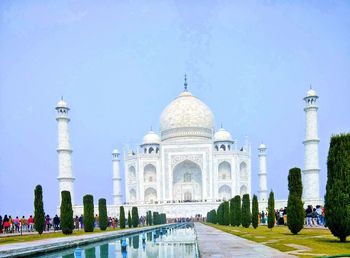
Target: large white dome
[186, 116]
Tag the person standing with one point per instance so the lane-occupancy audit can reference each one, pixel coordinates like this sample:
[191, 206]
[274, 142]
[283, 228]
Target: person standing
[23, 224]
[76, 222]
[56, 223]
[30, 223]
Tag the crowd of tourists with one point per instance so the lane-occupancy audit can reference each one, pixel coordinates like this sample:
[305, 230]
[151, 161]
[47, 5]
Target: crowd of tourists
[9, 224]
[314, 216]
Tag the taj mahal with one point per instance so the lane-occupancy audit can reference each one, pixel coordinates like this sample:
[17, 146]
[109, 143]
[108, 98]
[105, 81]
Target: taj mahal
[190, 166]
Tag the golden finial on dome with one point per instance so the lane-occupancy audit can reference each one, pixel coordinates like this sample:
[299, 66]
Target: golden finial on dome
[185, 84]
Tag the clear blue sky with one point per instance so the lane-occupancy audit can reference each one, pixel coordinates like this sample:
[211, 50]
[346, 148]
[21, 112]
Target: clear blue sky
[119, 63]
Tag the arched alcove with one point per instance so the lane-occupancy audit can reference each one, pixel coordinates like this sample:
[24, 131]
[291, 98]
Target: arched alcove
[243, 190]
[243, 171]
[187, 181]
[132, 195]
[150, 173]
[150, 195]
[224, 171]
[225, 192]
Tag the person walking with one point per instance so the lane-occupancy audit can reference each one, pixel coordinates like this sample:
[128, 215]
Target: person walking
[6, 224]
[48, 222]
[308, 213]
[1, 224]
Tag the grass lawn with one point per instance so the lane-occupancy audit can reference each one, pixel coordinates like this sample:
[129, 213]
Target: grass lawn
[34, 237]
[310, 242]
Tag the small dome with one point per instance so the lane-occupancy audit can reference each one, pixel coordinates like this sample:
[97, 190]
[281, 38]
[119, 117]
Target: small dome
[311, 93]
[151, 138]
[262, 146]
[222, 136]
[62, 104]
[115, 151]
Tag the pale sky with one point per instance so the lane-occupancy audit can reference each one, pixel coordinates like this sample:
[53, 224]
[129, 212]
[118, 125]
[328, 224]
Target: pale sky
[119, 63]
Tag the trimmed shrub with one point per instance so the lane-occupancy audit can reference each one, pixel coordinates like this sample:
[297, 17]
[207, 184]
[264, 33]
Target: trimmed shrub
[236, 216]
[211, 216]
[226, 213]
[271, 210]
[102, 210]
[135, 217]
[246, 215]
[232, 206]
[337, 198]
[295, 209]
[122, 217]
[39, 214]
[255, 212]
[156, 218]
[129, 220]
[66, 211]
[88, 201]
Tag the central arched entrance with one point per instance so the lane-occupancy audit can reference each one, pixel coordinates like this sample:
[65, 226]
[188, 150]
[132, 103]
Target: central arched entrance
[187, 182]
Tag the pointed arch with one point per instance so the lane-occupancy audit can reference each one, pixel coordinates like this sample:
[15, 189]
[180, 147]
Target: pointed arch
[224, 171]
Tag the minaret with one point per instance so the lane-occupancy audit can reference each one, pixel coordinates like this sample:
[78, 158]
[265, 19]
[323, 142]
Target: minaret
[311, 172]
[262, 174]
[117, 181]
[65, 175]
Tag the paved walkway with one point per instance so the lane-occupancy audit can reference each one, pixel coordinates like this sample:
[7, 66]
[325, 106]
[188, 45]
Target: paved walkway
[216, 243]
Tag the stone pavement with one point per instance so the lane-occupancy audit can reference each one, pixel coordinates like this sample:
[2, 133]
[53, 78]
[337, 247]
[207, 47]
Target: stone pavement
[219, 244]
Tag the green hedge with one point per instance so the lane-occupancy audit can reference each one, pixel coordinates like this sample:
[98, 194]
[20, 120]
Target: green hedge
[271, 210]
[255, 212]
[295, 209]
[88, 201]
[122, 217]
[135, 217]
[66, 211]
[246, 215]
[337, 198]
[102, 210]
[39, 214]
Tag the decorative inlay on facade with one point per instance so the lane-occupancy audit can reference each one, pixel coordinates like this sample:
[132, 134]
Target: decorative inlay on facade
[196, 158]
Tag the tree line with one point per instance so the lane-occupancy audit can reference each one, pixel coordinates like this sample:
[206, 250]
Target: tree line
[67, 220]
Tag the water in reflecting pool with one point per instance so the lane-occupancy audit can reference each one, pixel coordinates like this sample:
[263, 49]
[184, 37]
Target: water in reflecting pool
[168, 243]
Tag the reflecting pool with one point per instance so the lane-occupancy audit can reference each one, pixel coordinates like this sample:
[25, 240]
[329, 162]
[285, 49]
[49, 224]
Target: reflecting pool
[170, 242]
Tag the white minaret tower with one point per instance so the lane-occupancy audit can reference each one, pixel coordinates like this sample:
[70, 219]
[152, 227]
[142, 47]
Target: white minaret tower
[65, 175]
[311, 172]
[117, 181]
[262, 174]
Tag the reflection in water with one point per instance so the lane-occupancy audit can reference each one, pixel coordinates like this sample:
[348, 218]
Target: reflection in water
[68, 256]
[165, 243]
[90, 253]
[135, 242]
[104, 251]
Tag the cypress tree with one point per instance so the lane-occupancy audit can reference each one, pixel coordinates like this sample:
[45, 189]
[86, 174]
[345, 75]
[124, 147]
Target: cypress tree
[255, 212]
[88, 201]
[122, 217]
[150, 218]
[39, 214]
[135, 217]
[226, 213]
[102, 210]
[232, 206]
[295, 209]
[214, 217]
[271, 211]
[337, 198]
[155, 218]
[129, 220]
[237, 211]
[246, 215]
[220, 215]
[66, 211]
